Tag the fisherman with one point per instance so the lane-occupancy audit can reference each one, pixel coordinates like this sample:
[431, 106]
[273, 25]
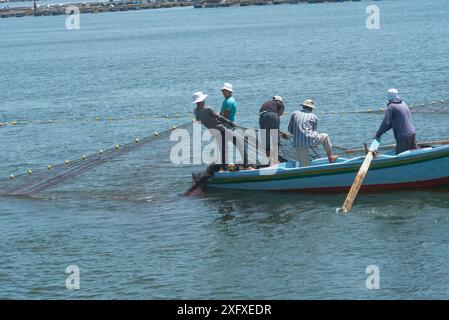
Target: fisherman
[303, 125]
[212, 120]
[269, 119]
[229, 106]
[398, 117]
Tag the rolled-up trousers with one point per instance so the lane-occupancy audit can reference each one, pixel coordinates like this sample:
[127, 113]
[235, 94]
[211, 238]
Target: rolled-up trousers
[302, 153]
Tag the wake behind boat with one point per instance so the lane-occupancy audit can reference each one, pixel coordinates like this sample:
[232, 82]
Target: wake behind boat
[413, 169]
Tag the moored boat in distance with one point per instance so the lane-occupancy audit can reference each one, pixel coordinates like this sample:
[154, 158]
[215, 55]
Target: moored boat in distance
[412, 169]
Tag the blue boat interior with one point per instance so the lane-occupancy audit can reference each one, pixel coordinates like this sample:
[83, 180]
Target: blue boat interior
[389, 155]
[323, 161]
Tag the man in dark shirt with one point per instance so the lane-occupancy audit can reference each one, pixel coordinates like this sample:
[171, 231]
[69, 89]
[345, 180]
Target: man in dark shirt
[269, 119]
[399, 118]
[208, 117]
[212, 120]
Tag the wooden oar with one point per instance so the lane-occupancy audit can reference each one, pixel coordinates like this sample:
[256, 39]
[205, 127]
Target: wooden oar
[392, 146]
[358, 181]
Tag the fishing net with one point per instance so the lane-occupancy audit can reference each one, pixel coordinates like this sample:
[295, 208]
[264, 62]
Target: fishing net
[286, 150]
[436, 106]
[37, 181]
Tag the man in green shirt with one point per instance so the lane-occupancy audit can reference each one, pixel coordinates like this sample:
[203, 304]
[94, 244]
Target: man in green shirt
[229, 106]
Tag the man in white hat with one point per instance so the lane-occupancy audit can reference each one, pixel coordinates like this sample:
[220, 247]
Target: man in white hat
[399, 118]
[269, 119]
[229, 105]
[303, 125]
[212, 120]
[208, 117]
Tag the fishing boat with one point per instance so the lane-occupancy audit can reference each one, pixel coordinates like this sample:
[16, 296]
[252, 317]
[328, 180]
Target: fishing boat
[424, 167]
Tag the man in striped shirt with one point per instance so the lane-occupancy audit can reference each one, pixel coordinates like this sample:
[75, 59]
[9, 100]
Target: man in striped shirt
[302, 126]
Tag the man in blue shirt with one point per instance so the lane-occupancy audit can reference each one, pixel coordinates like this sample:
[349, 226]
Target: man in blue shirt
[398, 117]
[229, 106]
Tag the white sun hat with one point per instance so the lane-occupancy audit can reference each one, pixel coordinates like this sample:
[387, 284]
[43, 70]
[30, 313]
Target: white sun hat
[308, 103]
[198, 97]
[278, 98]
[227, 86]
[393, 95]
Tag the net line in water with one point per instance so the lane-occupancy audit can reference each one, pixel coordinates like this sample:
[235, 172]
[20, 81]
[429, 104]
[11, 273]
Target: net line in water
[433, 106]
[436, 106]
[34, 182]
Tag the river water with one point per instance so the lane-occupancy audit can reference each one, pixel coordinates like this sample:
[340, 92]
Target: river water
[125, 225]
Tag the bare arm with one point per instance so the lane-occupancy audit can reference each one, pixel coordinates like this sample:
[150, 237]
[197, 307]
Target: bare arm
[226, 114]
[224, 120]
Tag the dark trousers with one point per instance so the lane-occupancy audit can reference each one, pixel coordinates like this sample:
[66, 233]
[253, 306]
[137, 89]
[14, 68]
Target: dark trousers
[268, 121]
[406, 143]
[234, 142]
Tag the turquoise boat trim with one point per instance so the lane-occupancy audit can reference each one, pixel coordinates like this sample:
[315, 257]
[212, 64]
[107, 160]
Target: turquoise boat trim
[380, 164]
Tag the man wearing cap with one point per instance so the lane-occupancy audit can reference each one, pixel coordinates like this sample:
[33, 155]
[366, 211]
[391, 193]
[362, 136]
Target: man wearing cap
[212, 120]
[398, 117]
[269, 119]
[229, 106]
[303, 125]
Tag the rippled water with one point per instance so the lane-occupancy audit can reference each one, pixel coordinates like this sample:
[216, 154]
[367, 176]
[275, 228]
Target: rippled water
[125, 225]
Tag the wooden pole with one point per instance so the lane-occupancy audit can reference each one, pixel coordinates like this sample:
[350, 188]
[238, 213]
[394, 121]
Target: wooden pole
[358, 181]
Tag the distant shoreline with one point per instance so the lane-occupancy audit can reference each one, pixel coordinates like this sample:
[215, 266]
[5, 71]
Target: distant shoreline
[6, 1]
[88, 7]
[99, 7]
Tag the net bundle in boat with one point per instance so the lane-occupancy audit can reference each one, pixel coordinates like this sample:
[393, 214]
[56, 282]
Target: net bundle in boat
[287, 152]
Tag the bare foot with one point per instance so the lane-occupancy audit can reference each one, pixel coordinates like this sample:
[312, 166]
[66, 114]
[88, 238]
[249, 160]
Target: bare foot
[333, 158]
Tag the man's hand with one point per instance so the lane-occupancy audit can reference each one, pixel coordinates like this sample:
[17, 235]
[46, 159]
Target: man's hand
[284, 135]
[226, 114]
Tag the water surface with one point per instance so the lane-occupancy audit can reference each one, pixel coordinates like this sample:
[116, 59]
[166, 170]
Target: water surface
[125, 225]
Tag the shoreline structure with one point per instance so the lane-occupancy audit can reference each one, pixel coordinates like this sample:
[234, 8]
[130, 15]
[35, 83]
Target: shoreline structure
[128, 5]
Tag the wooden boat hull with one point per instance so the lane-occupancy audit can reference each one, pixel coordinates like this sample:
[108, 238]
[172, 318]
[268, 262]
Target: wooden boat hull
[412, 169]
